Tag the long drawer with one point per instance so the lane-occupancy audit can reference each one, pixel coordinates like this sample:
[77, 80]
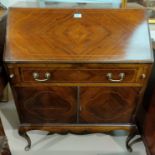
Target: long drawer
[83, 74]
[77, 75]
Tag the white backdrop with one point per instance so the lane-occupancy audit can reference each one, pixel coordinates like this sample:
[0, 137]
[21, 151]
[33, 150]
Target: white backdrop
[8, 3]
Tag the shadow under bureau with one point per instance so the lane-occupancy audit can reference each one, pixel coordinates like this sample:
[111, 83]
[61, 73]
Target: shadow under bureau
[77, 70]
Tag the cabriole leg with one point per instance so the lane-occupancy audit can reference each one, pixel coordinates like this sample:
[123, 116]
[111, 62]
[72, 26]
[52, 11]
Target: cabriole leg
[131, 135]
[25, 135]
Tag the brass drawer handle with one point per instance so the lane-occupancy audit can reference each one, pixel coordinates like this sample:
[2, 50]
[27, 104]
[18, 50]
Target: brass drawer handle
[121, 75]
[36, 77]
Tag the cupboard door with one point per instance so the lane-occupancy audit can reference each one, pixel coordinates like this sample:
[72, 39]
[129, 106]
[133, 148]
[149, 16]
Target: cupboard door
[108, 104]
[46, 104]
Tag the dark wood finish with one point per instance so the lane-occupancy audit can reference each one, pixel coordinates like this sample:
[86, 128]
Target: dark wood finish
[4, 148]
[47, 105]
[3, 81]
[28, 95]
[108, 104]
[2, 33]
[64, 128]
[3, 18]
[146, 122]
[145, 118]
[3, 77]
[149, 127]
[87, 73]
[54, 35]
[64, 75]
[78, 96]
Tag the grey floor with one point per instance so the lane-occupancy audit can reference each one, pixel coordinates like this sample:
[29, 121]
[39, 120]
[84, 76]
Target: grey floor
[93, 144]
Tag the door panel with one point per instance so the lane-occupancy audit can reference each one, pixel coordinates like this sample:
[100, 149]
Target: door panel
[47, 104]
[108, 104]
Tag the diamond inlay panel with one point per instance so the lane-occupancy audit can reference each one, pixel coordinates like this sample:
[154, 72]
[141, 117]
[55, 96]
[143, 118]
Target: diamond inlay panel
[100, 35]
[108, 104]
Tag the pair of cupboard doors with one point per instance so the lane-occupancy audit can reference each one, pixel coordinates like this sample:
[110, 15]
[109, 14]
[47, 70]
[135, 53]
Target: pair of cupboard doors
[81, 104]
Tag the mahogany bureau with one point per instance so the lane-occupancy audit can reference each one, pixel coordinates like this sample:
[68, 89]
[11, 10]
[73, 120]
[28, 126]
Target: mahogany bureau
[77, 70]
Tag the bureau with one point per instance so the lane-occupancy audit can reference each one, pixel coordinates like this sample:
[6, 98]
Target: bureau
[77, 70]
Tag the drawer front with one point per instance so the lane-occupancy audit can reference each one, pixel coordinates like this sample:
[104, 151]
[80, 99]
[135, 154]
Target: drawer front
[78, 75]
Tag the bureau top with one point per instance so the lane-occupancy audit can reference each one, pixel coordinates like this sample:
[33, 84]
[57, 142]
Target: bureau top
[77, 36]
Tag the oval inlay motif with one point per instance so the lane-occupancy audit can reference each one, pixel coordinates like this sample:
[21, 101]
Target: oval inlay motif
[46, 105]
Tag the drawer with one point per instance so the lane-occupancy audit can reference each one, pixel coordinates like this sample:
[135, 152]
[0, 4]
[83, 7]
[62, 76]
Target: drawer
[78, 75]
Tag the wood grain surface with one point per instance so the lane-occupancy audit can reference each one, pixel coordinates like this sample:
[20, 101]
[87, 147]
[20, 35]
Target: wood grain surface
[78, 74]
[54, 35]
[78, 53]
[108, 104]
[50, 104]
